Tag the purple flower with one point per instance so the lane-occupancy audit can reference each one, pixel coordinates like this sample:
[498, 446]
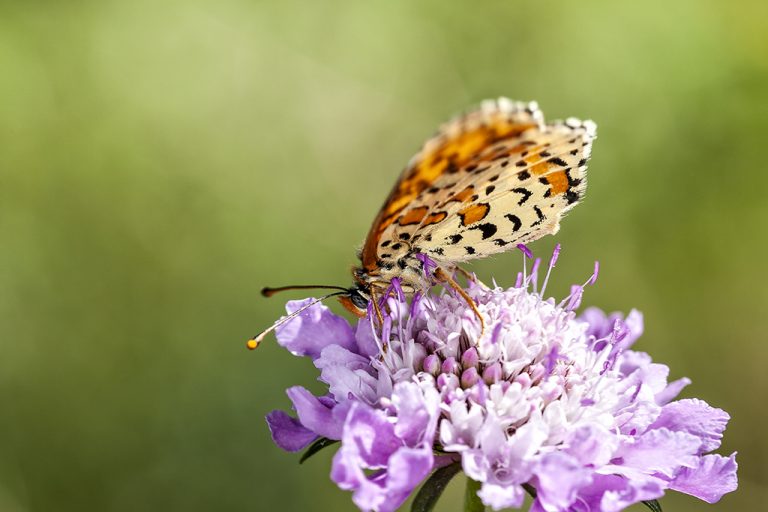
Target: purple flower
[543, 399]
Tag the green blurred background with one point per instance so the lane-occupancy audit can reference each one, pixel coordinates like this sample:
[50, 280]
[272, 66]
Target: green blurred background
[161, 161]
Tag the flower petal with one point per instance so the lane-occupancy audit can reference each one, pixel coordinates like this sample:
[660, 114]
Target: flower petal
[370, 443]
[366, 339]
[313, 330]
[696, 417]
[417, 412]
[714, 476]
[314, 414]
[611, 493]
[407, 468]
[560, 477]
[501, 496]
[288, 432]
[661, 451]
[591, 445]
[671, 391]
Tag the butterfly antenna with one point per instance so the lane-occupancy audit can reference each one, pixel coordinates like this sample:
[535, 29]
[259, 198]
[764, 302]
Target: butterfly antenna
[268, 292]
[254, 342]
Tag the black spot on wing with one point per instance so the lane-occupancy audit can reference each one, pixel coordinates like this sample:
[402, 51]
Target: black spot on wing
[454, 239]
[487, 229]
[572, 182]
[540, 216]
[558, 161]
[524, 192]
[385, 243]
[470, 250]
[439, 251]
[500, 242]
[523, 175]
[515, 220]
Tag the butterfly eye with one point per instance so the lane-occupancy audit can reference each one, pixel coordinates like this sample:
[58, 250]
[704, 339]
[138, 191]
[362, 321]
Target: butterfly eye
[358, 299]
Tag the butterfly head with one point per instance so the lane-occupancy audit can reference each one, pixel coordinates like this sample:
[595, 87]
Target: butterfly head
[356, 299]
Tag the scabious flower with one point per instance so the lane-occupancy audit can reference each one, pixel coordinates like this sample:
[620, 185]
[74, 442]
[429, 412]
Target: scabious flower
[543, 401]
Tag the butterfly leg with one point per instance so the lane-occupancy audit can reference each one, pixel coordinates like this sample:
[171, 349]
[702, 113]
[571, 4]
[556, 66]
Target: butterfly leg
[440, 275]
[380, 317]
[376, 308]
[467, 274]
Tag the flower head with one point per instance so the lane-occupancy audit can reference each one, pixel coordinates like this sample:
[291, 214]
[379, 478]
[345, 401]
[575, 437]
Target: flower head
[541, 399]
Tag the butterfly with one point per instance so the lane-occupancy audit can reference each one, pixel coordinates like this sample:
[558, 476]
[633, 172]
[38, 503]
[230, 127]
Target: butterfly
[488, 180]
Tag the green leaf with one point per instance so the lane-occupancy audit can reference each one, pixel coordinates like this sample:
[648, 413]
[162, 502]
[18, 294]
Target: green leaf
[315, 447]
[472, 502]
[430, 492]
[653, 505]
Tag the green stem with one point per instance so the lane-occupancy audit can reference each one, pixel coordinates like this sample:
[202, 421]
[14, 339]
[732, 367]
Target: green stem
[472, 501]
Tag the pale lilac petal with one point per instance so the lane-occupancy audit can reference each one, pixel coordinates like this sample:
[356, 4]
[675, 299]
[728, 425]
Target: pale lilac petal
[695, 417]
[345, 383]
[370, 436]
[638, 416]
[714, 476]
[671, 391]
[633, 492]
[630, 360]
[611, 493]
[416, 413]
[560, 477]
[314, 414]
[366, 339]
[370, 444]
[288, 433]
[635, 328]
[591, 445]
[313, 330]
[335, 355]
[407, 468]
[499, 497]
[661, 451]
[600, 324]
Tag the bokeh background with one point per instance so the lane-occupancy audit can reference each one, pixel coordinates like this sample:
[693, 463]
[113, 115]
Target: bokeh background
[161, 161]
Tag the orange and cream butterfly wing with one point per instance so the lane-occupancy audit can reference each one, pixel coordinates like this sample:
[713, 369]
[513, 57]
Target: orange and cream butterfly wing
[518, 198]
[434, 172]
[487, 180]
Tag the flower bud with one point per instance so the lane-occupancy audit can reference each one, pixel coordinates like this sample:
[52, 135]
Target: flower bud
[469, 378]
[492, 373]
[451, 366]
[432, 365]
[470, 359]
